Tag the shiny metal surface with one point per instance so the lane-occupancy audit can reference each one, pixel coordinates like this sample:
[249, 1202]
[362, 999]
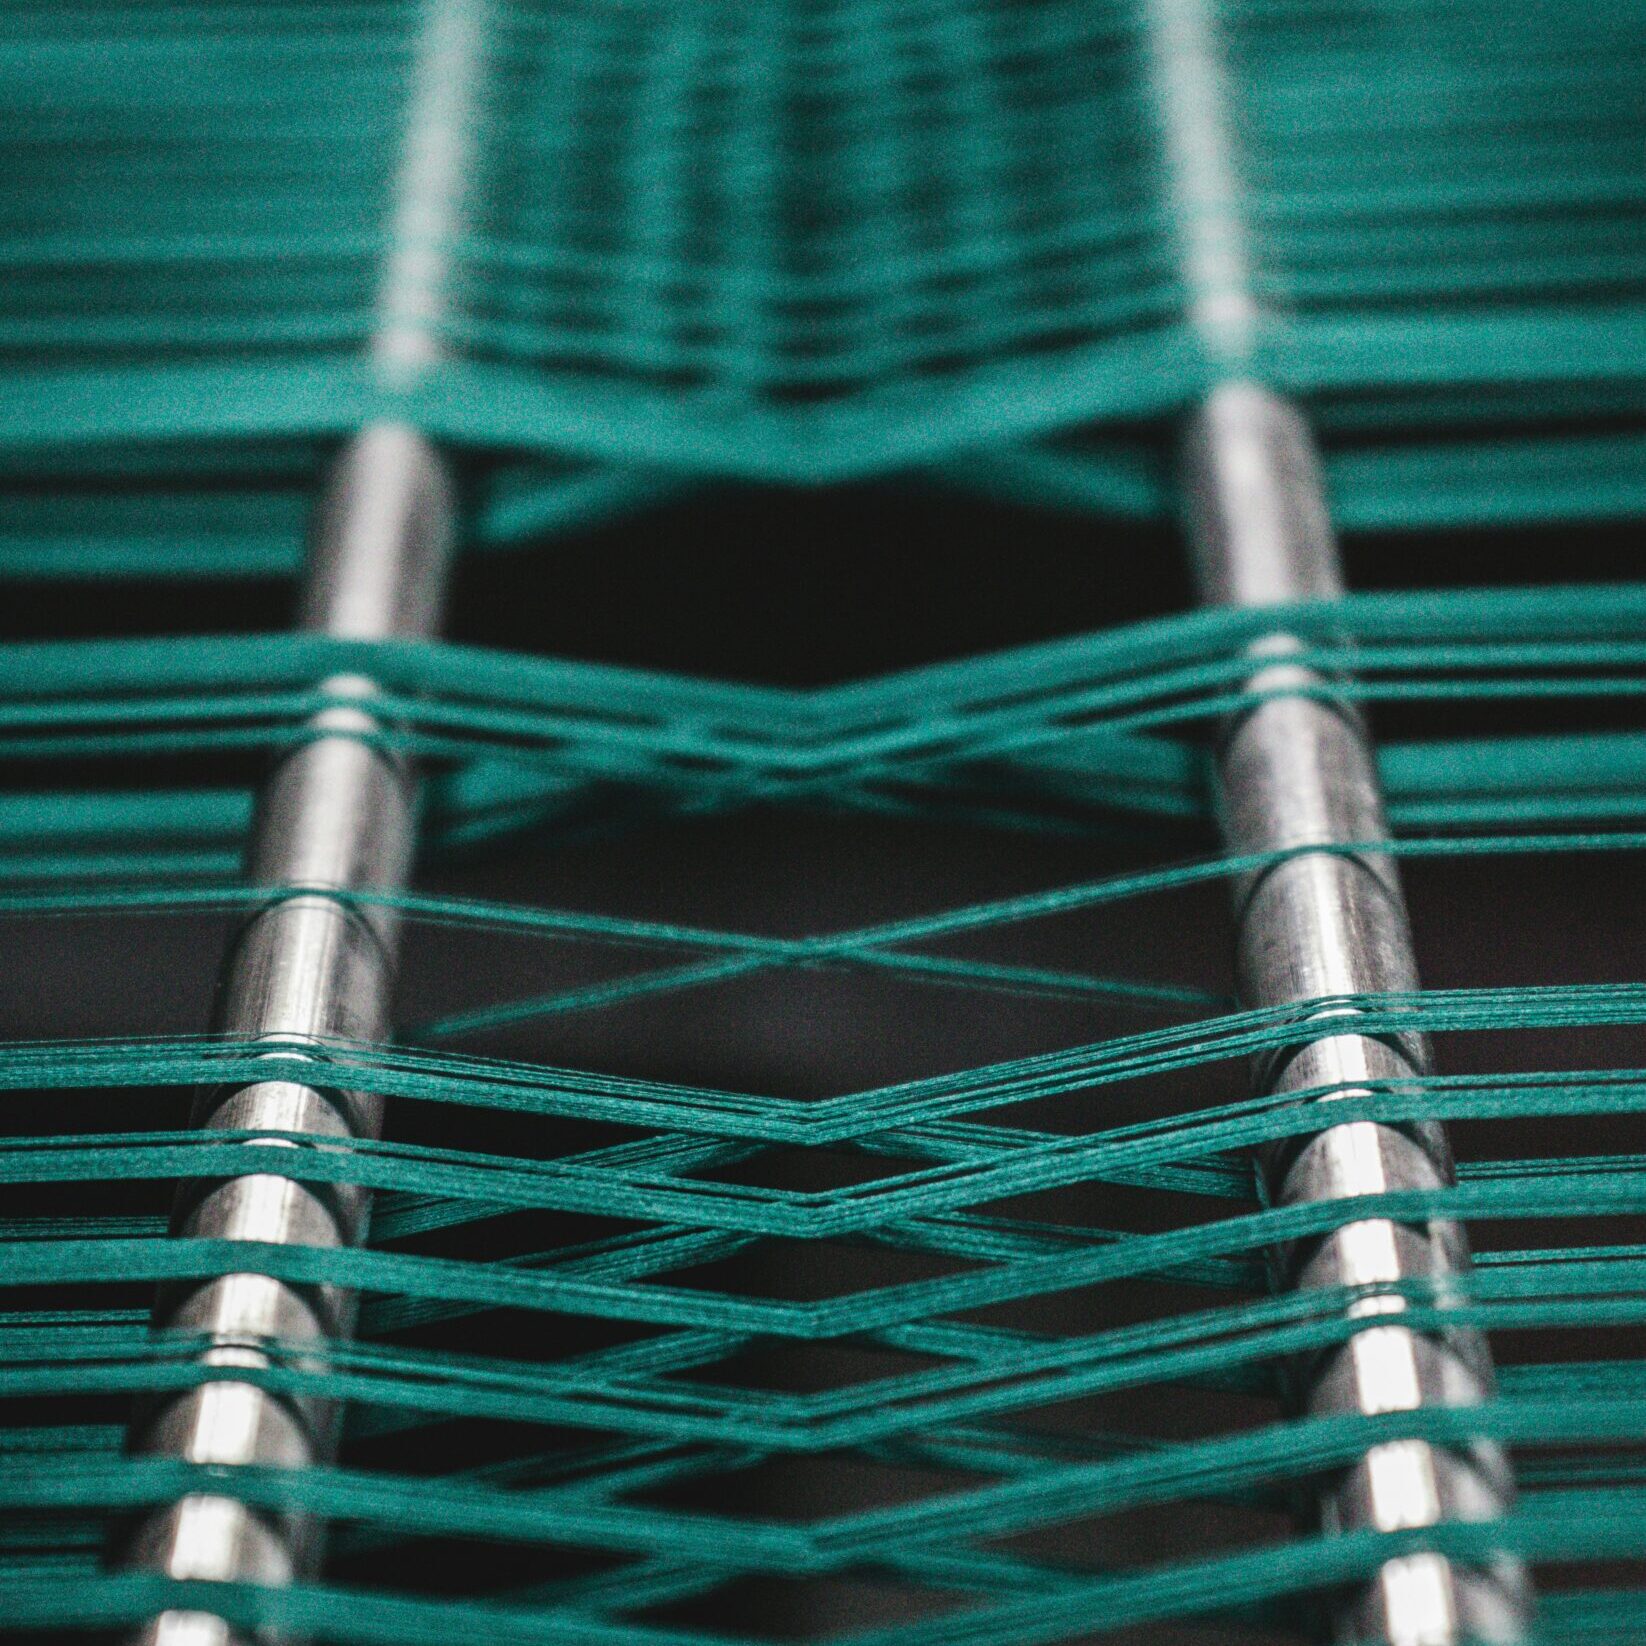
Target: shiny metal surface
[309, 971]
[437, 166]
[336, 816]
[1187, 80]
[1296, 772]
[378, 568]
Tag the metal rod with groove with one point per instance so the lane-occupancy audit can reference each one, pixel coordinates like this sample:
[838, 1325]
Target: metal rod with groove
[1297, 771]
[337, 815]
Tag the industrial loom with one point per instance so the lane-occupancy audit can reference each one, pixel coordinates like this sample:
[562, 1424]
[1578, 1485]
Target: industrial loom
[823, 820]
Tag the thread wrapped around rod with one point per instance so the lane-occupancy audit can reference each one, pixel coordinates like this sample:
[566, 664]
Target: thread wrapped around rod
[309, 970]
[1296, 770]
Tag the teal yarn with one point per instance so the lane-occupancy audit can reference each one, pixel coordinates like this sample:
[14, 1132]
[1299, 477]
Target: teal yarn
[810, 242]
[810, 239]
[951, 1150]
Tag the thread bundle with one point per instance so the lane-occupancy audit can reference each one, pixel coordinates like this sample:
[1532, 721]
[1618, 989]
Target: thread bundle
[814, 240]
[624, 1329]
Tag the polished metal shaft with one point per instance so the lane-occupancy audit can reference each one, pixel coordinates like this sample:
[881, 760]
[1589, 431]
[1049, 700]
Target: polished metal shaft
[314, 967]
[1298, 771]
[309, 970]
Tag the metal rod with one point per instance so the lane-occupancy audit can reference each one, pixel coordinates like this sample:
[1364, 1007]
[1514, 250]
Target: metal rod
[1293, 772]
[336, 816]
